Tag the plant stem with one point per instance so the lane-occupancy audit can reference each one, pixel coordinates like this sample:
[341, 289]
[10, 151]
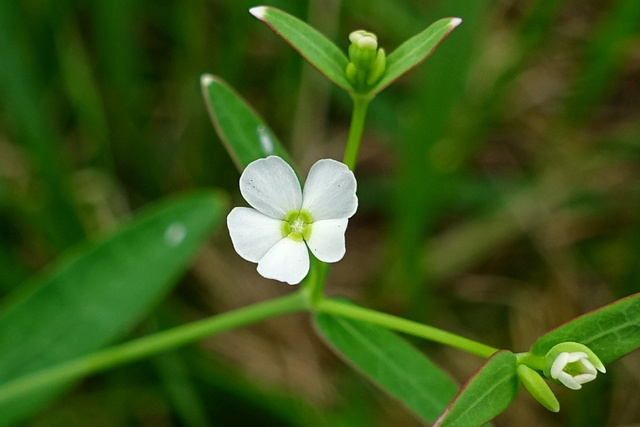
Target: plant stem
[360, 104]
[151, 345]
[403, 325]
[313, 284]
[528, 359]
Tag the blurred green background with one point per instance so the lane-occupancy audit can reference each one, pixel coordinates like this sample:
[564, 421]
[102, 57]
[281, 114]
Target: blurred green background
[499, 187]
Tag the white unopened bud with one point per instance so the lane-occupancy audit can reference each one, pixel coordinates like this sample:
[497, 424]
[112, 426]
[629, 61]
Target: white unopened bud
[572, 364]
[364, 39]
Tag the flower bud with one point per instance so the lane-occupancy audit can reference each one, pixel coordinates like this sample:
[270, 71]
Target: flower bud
[364, 39]
[572, 364]
[378, 68]
[538, 388]
[367, 63]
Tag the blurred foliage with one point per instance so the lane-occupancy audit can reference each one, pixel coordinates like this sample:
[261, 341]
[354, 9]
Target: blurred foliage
[499, 188]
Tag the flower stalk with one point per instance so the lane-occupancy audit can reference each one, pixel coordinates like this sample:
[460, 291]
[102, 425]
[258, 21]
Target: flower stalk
[358, 117]
[151, 345]
[406, 326]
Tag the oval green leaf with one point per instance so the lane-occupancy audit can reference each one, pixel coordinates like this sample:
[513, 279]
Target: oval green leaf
[96, 294]
[485, 395]
[242, 131]
[390, 362]
[610, 332]
[319, 51]
[415, 50]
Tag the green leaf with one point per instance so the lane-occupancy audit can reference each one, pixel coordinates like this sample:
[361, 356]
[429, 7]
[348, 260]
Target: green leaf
[415, 50]
[96, 294]
[392, 363]
[610, 332]
[319, 51]
[243, 132]
[485, 395]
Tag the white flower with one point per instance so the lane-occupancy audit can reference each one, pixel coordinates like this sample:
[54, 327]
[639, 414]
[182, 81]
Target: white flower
[574, 369]
[284, 220]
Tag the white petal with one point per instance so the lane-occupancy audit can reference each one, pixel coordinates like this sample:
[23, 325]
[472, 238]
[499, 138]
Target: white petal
[584, 378]
[271, 186]
[569, 381]
[575, 356]
[588, 367]
[252, 233]
[330, 191]
[559, 364]
[327, 239]
[287, 261]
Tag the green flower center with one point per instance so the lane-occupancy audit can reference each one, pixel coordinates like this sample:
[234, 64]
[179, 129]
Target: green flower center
[575, 368]
[297, 225]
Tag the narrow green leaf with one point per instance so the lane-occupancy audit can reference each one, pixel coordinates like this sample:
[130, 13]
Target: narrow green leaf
[96, 294]
[485, 395]
[415, 50]
[610, 332]
[243, 132]
[392, 363]
[319, 51]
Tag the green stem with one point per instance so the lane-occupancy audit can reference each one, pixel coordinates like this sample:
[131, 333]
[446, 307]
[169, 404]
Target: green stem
[313, 284]
[151, 345]
[530, 360]
[360, 104]
[406, 326]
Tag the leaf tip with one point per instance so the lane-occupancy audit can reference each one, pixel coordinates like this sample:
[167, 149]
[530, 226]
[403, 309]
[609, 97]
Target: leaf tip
[455, 22]
[206, 80]
[258, 11]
